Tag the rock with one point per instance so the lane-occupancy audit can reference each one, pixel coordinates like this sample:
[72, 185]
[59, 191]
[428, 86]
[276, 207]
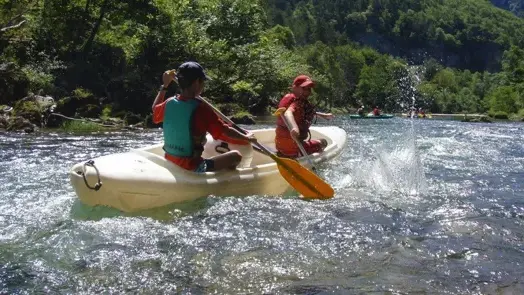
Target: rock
[6, 109]
[14, 83]
[113, 121]
[132, 119]
[148, 122]
[44, 101]
[30, 110]
[3, 121]
[229, 109]
[243, 119]
[19, 123]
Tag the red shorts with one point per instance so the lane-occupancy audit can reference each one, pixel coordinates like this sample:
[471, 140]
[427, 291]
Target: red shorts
[290, 149]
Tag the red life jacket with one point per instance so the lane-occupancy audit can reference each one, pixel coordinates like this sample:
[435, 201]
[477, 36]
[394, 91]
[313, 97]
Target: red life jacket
[304, 114]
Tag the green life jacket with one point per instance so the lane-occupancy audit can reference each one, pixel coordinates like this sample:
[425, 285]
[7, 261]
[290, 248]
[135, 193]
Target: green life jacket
[179, 140]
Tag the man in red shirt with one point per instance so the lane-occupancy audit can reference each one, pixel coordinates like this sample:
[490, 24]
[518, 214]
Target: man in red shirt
[187, 120]
[376, 111]
[299, 113]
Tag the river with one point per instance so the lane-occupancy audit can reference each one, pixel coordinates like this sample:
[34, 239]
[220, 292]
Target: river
[421, 206]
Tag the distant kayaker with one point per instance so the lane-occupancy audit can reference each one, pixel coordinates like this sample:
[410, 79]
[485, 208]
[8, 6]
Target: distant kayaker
[421, 113]
[361, 111]
[187, 120]
[376, 111]
[300, 114]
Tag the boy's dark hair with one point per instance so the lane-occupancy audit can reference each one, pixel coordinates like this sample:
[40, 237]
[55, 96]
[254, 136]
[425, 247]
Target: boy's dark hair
[185, 83]
[188, 72]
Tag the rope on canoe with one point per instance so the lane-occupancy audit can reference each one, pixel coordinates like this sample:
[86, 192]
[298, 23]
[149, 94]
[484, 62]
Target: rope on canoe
[98, 184]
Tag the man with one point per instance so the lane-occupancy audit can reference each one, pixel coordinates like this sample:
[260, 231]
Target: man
[299, 113]
[187, 120]
[376, 111]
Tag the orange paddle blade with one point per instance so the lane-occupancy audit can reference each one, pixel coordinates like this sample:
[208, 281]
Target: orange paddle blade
[279, 112]
[303, 180]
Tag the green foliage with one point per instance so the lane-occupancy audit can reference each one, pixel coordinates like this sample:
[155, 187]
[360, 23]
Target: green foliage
[499, 115]
[106, 112]
[81, 126]
[279, 35]
[503, 99]
[115, 52]
[81, 93]
[39, 81]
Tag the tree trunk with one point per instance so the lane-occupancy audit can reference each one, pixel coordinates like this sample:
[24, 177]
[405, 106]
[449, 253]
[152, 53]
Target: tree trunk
[89, 43]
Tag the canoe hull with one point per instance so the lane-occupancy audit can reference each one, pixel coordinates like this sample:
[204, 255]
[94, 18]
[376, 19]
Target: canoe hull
[142, 179]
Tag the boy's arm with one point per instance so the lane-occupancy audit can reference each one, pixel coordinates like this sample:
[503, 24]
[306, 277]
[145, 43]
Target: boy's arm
[235, 134]
[167, 77]
[220, 130]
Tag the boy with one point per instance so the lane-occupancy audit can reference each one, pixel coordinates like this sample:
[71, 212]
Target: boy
[187, 120]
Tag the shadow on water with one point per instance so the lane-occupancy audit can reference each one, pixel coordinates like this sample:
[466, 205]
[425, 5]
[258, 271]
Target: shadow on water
[81, 211]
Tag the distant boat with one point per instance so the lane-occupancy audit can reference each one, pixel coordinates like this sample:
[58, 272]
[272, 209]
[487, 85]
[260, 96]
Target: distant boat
[371, 116]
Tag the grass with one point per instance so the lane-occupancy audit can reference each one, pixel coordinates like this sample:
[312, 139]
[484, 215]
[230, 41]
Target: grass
[81, 126]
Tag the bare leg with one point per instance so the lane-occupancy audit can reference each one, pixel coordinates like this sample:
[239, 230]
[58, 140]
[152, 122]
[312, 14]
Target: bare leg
[228, 160]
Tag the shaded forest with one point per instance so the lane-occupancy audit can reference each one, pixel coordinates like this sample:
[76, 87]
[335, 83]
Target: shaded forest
[101, 58]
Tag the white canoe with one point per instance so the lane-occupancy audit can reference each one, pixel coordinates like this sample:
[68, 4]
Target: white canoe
[142, 179]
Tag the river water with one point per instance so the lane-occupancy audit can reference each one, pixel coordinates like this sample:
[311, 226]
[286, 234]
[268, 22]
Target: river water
[421, 206]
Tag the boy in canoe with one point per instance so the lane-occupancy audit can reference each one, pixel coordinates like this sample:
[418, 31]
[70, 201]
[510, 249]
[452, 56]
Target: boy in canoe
[187, 120]
[300, 114]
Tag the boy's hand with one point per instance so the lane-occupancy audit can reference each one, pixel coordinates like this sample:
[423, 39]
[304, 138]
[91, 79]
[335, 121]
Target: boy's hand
[251, 137]
[168, 77]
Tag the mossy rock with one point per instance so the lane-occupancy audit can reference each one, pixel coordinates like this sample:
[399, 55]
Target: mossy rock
[3, 122]
[20, 123]
[29, 110]
[229, 109]
[243, 118]
[80, 102]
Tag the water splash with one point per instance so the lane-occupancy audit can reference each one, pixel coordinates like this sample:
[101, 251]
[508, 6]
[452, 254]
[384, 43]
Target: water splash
[395, 167]
[396, 162]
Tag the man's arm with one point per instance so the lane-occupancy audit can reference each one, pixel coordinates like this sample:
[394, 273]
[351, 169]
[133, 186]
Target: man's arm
[327, 116]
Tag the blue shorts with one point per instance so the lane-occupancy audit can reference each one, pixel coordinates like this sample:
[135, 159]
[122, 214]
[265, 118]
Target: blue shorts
[206, 166]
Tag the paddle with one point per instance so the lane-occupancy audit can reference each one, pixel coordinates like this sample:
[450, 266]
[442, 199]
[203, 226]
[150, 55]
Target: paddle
[307, 183]
[280, 112]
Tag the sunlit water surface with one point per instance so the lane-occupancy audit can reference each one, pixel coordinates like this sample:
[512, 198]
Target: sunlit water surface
[420, 206]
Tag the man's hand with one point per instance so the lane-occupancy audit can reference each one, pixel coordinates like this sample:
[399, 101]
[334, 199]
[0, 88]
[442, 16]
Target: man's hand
[168, 77]
[295, 133]
[329, 116]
